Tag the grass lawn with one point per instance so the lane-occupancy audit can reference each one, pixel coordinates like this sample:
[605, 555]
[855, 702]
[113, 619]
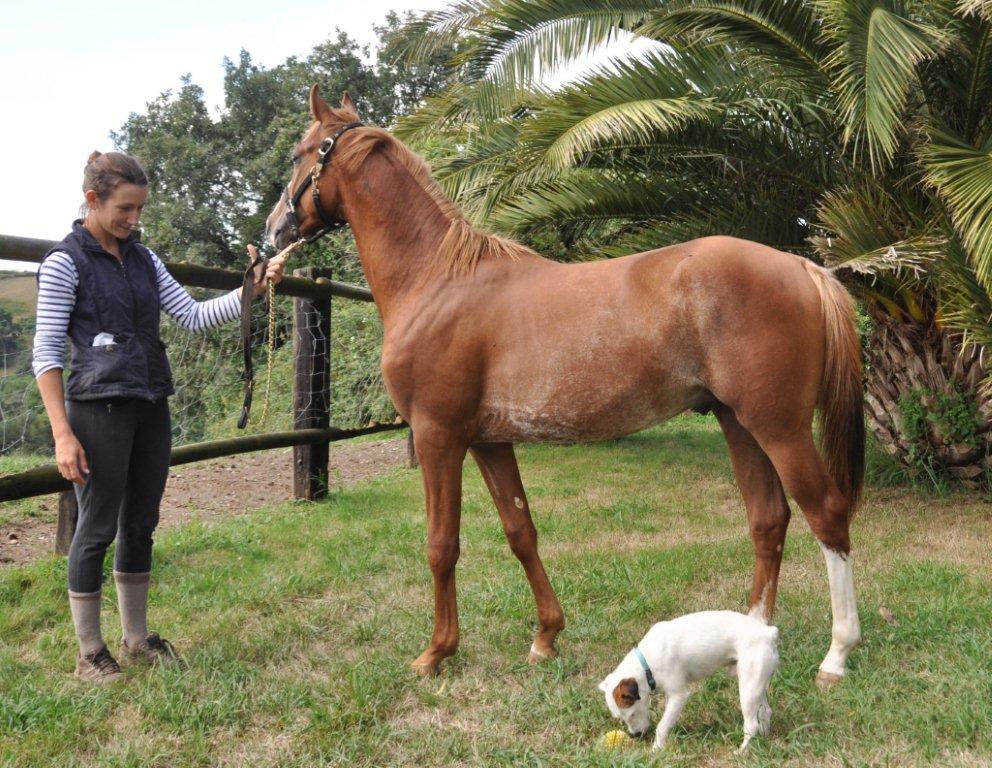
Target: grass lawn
[299, 622]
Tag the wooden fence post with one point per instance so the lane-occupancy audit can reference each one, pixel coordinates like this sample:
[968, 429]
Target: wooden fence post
[67, 522]
[311, 387]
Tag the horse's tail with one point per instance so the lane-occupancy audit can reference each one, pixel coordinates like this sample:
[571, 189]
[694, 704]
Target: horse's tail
[841, 396]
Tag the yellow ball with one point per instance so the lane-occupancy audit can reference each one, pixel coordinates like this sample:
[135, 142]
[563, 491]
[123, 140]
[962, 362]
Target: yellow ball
[617, 740]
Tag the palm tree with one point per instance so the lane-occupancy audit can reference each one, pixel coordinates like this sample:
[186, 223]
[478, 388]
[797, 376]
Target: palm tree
[854, 132]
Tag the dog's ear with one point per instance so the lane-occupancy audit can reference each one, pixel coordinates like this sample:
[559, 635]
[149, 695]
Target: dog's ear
[626, 694]
[604, 684]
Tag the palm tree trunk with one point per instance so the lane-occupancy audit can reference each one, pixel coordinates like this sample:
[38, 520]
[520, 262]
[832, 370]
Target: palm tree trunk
[925, 401]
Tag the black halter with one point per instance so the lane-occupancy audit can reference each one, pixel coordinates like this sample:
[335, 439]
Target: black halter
[293, 200]
[248, 281]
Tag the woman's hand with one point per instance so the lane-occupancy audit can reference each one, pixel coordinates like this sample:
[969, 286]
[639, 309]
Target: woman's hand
[274, 269]
[69, 454]
[71, 459]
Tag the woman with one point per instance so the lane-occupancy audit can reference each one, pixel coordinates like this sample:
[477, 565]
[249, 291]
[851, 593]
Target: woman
[111, 424]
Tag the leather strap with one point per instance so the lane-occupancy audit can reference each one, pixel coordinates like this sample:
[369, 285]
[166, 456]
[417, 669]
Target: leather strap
[247, 297]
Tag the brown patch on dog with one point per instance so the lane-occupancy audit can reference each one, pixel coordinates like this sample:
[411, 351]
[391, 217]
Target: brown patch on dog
[625, 694]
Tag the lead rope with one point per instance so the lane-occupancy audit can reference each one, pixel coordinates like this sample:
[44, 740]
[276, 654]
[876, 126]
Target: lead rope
[270, 346]
[270, 354]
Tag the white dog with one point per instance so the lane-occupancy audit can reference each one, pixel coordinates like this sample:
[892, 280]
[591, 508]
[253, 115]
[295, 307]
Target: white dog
[674, 654]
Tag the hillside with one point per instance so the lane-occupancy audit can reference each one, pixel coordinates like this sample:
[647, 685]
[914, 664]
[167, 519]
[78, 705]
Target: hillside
[18, 294]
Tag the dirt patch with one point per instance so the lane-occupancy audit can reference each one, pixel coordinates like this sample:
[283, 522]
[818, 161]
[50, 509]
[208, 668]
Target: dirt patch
[224, 487]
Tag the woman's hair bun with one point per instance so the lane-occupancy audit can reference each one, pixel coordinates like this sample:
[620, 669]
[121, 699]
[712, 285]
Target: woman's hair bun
[93, 156]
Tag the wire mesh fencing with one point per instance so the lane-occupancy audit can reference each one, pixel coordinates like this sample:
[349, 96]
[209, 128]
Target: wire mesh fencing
[208, 374]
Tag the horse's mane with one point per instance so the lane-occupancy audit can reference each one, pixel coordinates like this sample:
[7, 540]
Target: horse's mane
[463, 245]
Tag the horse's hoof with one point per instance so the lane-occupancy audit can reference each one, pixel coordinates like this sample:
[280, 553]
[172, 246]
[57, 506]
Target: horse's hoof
[426, 668]
[826, 680]
[427, 664]
[537, 655]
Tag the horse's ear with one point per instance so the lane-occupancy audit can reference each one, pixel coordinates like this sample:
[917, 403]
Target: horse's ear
[347, 103]
[318, 107]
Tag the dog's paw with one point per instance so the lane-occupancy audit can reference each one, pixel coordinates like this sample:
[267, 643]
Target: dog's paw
[825, 680]
[764, 719]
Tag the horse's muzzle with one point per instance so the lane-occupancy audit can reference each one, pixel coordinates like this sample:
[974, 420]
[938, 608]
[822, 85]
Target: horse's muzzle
[282, 233]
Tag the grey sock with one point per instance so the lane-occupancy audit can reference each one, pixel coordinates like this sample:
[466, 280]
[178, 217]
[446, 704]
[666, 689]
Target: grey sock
[85, 608]
[132, 598]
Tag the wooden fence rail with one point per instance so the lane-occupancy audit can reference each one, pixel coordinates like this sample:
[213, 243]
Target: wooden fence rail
[41, 481]
[312, 291]
[32, 250]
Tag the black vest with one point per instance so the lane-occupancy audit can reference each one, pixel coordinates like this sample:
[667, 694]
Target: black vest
[118, 298]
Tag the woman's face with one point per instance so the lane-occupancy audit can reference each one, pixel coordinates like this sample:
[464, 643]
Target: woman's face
[119, 213]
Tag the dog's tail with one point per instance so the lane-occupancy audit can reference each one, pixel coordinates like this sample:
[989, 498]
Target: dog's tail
[841, 397]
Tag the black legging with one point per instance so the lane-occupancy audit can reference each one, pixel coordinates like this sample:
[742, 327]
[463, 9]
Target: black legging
[127, 444]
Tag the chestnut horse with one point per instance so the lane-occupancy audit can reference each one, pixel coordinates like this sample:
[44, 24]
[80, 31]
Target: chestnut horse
[488, 344]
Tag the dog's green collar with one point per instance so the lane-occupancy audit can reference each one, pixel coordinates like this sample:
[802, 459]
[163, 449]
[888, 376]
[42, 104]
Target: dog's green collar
[647, 670]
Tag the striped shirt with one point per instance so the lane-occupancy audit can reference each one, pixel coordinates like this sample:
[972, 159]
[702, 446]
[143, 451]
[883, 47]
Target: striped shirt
[57, 282]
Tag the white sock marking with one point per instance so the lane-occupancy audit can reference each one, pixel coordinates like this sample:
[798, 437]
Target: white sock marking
[846, 628]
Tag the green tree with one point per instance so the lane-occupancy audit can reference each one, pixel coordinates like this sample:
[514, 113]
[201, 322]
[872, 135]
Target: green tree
[855, 132]
[10, 340]
[189, 171]
[214, 177]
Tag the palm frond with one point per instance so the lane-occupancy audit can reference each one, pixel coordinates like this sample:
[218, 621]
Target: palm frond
[977, 108]
[976, 8]
[759, 219]
[962, 176]
[588, 197]
[503, 44]
[435, 30]
[467, 104]
[907, 258]
[876, 49]
[624, 102]
[957, 82]
[618, 213]
[782, 30]
[484, 157]
[507, 41]
[687, 104]
[626, 123]
[882, 243]
[531, 38]
[966, 307]
[863, 218]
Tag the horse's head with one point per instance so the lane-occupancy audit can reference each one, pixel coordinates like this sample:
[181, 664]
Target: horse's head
[310, 204]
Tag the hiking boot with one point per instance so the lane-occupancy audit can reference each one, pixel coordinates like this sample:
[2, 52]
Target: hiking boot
[153, 649]
[98, 666]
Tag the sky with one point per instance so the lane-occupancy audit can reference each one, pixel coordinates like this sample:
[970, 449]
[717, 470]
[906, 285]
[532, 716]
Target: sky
[71, 72]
